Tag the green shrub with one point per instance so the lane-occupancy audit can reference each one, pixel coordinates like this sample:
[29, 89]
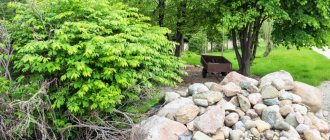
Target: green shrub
[198, 42]
[102, 52]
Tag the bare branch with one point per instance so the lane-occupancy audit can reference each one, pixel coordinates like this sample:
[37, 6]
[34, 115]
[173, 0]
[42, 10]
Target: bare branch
[5, 50]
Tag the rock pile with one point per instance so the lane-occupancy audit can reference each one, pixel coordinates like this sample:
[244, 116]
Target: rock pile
[273, 108]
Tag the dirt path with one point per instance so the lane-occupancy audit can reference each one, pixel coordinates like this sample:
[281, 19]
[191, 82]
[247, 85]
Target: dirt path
[325, 88]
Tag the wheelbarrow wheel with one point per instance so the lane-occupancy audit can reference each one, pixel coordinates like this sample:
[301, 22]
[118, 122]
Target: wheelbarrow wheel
[223, 73]
[204, 73]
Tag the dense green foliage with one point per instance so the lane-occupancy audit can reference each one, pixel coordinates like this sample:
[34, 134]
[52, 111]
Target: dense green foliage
[198, 43]
[97, 52]
[182, 17]
[304, 64]
[5, 11]
[308, 23]
[77, 65]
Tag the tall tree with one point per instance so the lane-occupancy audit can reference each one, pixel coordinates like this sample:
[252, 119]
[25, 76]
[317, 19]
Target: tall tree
[179, 37]
[244, 19]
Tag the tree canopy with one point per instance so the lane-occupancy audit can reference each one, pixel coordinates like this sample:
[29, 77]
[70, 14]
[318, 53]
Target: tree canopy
[307, 23]
[298, 23]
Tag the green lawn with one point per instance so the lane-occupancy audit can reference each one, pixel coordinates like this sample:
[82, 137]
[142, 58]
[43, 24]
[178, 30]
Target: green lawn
[305, 65]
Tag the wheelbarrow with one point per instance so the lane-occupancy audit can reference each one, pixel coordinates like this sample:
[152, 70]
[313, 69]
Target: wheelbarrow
[215, 64]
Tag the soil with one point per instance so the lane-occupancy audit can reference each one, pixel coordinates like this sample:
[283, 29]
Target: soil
[194, 75]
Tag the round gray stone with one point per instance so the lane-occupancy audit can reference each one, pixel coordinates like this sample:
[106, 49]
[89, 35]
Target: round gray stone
[292, 120]
[282, 125]
[271, 102]
[270, 115]
[238, 125]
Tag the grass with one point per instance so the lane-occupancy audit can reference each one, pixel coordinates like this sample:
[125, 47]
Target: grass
[140, 106]
[304, 65]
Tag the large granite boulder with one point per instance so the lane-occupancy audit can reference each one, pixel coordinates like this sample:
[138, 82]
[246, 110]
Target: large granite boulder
[197, 88]
[211, 120]
[311, 96]
[237, 78]
[187, 113]
[171, 108]
[280, 79]
[211, 97]
[158, 128]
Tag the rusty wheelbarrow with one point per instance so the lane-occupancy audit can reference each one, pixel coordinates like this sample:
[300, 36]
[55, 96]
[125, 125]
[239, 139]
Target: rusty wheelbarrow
[215, 64]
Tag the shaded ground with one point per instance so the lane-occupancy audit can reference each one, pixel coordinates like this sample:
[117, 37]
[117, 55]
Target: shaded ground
[195, 76]
[325, 88]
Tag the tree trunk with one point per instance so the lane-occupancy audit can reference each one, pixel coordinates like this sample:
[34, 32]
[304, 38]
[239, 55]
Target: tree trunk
[161, 14]
[179, 39]
[268, 49]
[246, 55]
[179, 35]
[245, 48]
[237, 53]
[211, 46]
[243, 58]
[248, 37]
[255, 46]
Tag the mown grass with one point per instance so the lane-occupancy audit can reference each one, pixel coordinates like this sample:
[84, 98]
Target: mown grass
[304, 64]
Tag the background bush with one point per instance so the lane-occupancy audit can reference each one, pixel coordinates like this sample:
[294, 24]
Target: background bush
[198, 42]
[100, 51]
